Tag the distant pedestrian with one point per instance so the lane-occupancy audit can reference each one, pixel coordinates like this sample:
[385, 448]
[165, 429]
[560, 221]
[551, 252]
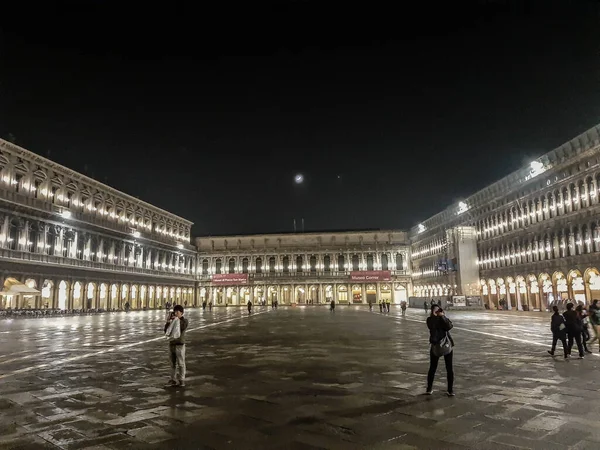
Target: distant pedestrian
[585, 334]
[441, 344]
[559, 332]
[370, 305]
[127, 306]
[388, 302]
[175, 329]
[403, 308]
[573, 323]
[249, 307]
[332, 306]
[203, 305]
[210, 305]
[426, 307]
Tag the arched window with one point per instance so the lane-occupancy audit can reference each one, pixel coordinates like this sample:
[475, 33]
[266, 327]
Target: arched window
[286, 264]
[272, 264]
[231, 265]
[384, 262]
[205, 267]
[313, 264]
[399, 261]
[370, 261]
[341, 263]
[299, 263]
[245, 265]
[258, 265]
[327, 263]
[355, 262]
[218, 266]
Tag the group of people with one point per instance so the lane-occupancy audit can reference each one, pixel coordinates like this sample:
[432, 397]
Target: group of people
[573, 327]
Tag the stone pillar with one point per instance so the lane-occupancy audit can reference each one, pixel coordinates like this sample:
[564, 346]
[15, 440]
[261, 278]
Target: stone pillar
[363, 293]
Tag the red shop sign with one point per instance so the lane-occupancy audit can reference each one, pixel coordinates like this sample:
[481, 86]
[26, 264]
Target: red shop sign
[371, 275]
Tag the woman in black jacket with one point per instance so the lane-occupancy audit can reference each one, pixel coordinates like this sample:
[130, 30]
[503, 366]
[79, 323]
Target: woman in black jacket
[439, 325]
[559, 332]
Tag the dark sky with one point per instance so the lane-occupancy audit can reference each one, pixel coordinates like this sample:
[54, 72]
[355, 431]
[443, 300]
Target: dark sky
[208, 112]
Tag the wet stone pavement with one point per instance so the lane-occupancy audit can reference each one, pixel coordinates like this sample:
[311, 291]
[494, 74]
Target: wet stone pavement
[296, 378]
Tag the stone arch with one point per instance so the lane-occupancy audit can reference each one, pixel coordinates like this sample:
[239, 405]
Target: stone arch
[134, 296]
[300, 295]
[47, 294]
[103, 295]
[90, 295]
[547, 292]
[592, 282]
[576, 285]
[63, 295]
[114, 296]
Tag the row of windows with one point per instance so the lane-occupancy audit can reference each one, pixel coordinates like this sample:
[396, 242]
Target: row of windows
[574, 197]
[302, 264]
[70, 243]
[32, 181]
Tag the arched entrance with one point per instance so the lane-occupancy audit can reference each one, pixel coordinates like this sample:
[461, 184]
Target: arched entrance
[342, 292]
[90, 292]
[77, 296]
[301, 295]
[272, 294]
[63, 289]
[47, 294]
[313, 295]
[547, 297]
[577, 287]
[372, 294]
[114, 296]
[286, 295]
[29, 300]
[400, 293]
[328, 293]
[534, 292]
[103, 304]
[592, 276]
[356, 293]
[244, 295]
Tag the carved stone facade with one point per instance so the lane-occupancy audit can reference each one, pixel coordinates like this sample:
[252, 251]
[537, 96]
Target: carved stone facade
[538, 235]
[85, 245]
[304, 269]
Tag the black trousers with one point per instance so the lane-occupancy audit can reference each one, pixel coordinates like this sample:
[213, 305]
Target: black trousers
[433, 364]
[577, 336]
[560, 337]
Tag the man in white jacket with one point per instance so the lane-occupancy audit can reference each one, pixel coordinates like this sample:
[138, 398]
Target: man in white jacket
[175, 333]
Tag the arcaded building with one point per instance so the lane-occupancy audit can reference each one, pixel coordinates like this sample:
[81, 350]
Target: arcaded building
[305, 268]
[83, 244]
[535, 233]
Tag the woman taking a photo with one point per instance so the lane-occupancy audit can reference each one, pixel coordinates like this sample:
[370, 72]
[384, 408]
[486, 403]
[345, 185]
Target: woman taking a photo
[441, 344]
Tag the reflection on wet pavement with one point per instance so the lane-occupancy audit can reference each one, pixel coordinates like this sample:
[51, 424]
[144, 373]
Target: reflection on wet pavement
[292, 378]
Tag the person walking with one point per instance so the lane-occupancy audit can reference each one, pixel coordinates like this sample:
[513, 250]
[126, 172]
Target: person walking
[175, 332]
[249, 307]
[388, 303]
[426, 307]
[370, 305]
[332, 306]
[441, 344]
[127, 307]
[403, 308]
[210, 305]
[380, 306]
[585, 333]
[203, 305]
[559, 332]
[595, 322]
[573, 324]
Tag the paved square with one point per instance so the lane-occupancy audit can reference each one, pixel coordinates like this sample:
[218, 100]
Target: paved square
[295, 378]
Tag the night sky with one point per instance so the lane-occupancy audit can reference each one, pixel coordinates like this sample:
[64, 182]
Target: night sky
[210, 112]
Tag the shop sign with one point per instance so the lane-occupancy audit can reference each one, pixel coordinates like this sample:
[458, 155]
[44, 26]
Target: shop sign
[230, 278]
[459, 301]
[371, 275]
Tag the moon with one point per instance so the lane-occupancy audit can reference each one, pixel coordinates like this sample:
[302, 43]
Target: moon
[299, 178]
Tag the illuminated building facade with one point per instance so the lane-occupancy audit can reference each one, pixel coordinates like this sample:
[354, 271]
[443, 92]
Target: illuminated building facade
[304, 269]
[85, 245]
[536, 233]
